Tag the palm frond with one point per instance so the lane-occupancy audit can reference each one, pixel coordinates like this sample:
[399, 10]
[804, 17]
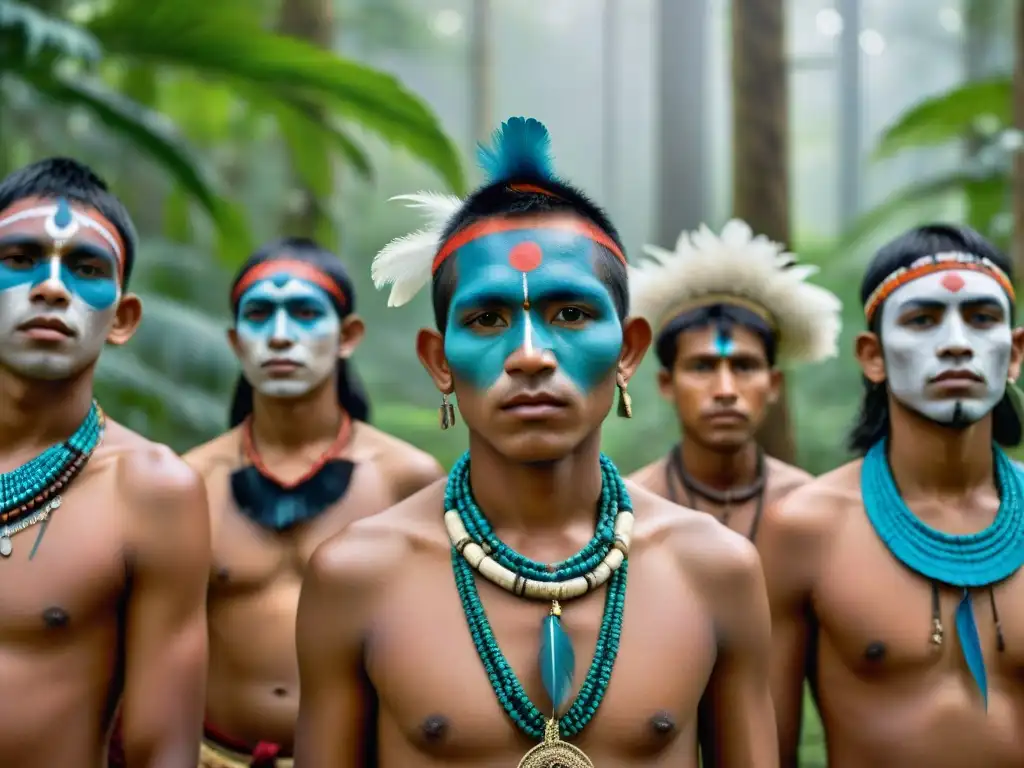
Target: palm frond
[37, 33]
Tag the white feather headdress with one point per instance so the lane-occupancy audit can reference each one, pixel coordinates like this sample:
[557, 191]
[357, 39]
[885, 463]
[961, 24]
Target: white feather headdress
[405, 263]
[738, 268]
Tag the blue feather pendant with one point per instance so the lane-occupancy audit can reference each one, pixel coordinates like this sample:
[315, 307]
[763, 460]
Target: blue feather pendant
[970, 643]
[557, 659]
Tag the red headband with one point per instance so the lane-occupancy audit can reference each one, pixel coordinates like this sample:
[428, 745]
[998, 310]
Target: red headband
[300, 269]
[493, 226]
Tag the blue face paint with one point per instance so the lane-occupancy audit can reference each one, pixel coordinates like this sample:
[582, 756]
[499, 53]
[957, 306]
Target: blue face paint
[539, 308]
[723, 342]
[85, 270]
[273, 308]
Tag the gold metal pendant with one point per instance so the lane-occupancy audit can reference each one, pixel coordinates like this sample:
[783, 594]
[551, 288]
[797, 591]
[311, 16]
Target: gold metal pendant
[555, 753]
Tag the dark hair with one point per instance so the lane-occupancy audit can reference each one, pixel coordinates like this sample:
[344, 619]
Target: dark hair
[722, 316]
[503, 198]
[64, 177]
[872, 422]
[351, 393]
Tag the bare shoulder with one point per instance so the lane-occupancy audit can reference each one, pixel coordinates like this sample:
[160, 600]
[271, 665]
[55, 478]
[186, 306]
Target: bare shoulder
[361, 557]
[405, 466]
[784, 478]
[650, 475]
[154, 479]
[814, 508]
[221, 451]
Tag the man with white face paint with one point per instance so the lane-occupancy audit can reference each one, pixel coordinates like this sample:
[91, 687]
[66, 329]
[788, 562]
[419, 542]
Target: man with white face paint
[300, 462]
[104, 536]
[895, 580]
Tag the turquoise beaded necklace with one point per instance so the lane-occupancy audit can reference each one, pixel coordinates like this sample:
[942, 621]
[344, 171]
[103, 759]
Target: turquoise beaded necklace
[556, 649]
[28, 493]
[965, 561]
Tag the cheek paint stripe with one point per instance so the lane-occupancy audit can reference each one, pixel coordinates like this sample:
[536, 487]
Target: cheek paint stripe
[83, 220]
[292, 267]
[496, 226]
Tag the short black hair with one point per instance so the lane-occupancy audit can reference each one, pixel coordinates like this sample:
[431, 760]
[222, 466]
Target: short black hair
[63, 177]
[722, 316]
[872, 423]
[351, 393]
[520, 197]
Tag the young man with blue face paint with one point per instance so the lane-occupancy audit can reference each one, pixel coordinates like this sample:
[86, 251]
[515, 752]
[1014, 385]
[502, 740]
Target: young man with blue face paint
[299, 463]
[532, 651]
[728, 308]
[104, 536]
[895, 579]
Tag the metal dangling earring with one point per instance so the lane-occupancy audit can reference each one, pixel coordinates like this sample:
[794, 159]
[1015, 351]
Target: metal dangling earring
[625, 401]
[447, 412]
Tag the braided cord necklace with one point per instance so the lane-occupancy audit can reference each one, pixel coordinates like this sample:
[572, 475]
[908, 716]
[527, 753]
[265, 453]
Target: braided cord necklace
[961, 560]
[29, 493]
[476, 549]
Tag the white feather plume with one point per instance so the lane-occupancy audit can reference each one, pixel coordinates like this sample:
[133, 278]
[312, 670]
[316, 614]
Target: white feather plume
[405, 263]
[753, 269]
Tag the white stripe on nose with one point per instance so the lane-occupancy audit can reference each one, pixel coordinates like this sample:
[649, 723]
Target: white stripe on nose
[280, 324]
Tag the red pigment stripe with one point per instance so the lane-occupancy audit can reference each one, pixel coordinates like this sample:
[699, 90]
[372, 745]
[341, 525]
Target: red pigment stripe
[300, 269]
[496, 226]
[932, 268]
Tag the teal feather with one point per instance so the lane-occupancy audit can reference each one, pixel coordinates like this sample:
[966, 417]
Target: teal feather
[967, 631]
[557, 661]
[520, 149]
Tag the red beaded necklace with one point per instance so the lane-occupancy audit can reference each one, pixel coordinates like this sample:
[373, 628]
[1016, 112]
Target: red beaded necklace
[335, 448]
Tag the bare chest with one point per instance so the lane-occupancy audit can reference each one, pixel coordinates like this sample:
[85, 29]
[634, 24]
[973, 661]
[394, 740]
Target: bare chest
[248, 557]
[66, 575]
[439, 699]
[883, 621]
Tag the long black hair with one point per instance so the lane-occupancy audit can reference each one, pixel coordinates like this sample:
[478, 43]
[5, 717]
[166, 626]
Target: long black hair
[872, 422]
[351, 393]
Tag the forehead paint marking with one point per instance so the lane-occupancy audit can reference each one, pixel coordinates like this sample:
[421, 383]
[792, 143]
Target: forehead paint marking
[63, 222]
[723, 342]
[952, 282]
[561, 272]
[289, 268]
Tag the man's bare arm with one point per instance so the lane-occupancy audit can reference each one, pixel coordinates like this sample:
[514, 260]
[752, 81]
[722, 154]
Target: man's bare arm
[166, 641]
[788, 543]
[336, 727]
[737, 718]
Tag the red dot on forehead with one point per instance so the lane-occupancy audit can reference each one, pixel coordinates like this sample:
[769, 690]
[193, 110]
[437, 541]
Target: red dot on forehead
[952, 281]
[525, 256]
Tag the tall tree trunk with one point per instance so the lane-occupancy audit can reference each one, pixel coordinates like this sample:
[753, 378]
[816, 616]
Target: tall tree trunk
[1017, 249]
[312, 21]
[761, 153]
[481, 96]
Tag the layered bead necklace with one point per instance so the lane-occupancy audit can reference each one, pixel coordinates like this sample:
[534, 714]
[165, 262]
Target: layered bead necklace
[476, 550]
[29, 493]
[972, 561]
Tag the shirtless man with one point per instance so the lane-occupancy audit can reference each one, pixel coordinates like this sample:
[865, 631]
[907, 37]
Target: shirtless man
[402, 665]
[299, 463]
[913, 640]
[104, 536]
[727, 310]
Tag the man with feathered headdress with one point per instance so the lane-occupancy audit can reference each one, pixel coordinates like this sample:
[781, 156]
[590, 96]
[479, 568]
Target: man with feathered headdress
[727, 309]
[535, 527]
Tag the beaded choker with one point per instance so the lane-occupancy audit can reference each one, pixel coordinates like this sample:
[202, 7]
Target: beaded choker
[966, 561]
[276, 504]
[726, 499]
[475, 548]
[29, 493]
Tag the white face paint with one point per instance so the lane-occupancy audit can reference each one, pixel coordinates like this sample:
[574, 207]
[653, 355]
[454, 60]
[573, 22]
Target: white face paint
[54, 273]
[946, 322]
[287, 320]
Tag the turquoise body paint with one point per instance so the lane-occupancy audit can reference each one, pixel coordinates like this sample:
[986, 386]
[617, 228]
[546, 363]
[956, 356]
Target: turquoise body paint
[723, 343]
[98, 291]
[556, 276]
[302, 310]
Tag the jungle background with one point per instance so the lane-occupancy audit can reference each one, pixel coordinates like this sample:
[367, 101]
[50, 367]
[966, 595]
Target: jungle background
[828, 124]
